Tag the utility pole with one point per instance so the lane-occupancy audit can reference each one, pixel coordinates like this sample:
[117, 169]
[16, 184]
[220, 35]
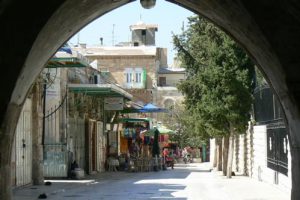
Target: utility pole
[78, 38]
[113, 35]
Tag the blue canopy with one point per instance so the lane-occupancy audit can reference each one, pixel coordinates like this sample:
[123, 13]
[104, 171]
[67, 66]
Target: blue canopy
[66, 48]
[151, 108]
[148, 108]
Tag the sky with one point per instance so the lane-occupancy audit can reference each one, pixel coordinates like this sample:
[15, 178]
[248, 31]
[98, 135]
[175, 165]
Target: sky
[113, 27]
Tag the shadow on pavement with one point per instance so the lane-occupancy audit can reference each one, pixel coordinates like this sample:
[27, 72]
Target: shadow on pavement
[116, 186]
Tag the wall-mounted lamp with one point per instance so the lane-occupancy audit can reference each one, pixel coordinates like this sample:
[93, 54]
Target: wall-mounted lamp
[147, 4]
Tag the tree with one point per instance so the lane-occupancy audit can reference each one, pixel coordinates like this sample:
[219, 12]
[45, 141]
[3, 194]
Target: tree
[219, 83]
[178, 119]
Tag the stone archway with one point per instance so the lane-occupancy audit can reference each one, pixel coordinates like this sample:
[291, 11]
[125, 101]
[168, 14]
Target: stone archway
[33, 30]
[168, 103]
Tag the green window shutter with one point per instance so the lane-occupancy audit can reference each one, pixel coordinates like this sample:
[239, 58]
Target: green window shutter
[144, 78]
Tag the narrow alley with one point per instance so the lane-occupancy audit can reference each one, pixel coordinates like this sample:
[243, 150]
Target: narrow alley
[192, 181]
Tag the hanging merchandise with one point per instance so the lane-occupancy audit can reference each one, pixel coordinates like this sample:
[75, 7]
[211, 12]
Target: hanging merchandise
[147, 140]
[142, 134]
[133, 133]
[127, 132]
[151, 141]
[161, 138]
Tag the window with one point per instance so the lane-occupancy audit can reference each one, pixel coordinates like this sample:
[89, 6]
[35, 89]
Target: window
[138, 77]
[162, 81]
[128, 77]
[143, 32]
[134, 77]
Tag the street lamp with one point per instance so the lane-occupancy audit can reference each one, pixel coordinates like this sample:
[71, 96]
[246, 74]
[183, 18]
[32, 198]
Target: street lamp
[147, 4]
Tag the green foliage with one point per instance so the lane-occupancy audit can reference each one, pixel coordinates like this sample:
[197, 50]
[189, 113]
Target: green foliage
[260, 80]
[179, 120]
[219, 79]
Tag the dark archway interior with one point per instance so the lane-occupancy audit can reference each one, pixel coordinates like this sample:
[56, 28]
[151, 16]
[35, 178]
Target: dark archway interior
[33, 30]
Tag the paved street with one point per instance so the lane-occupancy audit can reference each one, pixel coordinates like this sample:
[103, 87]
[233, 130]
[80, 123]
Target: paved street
[192, 182]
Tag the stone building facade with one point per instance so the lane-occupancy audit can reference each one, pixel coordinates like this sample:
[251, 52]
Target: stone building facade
[143, 34]
[139, 67]
[133, 65]
[132, 68]
[167, 92]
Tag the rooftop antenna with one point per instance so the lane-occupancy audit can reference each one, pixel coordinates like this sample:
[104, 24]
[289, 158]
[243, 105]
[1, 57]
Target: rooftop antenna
[113, 32]
[78, 37]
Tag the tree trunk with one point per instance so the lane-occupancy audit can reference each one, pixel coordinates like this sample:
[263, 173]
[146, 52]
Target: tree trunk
[295, 154]
[219, 154]
[230, 154]
[215, 154]
[225, 154]
[7, 133]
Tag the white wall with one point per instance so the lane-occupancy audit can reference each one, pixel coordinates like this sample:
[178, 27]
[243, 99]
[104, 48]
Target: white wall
[250, 158]
[260, 170]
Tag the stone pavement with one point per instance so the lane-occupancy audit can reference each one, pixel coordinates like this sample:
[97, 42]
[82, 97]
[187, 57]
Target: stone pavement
[186, 182]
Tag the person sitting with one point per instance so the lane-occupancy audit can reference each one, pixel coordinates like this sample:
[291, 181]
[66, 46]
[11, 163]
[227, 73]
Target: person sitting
[165, 153]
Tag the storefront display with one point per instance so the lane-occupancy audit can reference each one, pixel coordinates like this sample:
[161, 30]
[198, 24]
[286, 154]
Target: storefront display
[133, 132]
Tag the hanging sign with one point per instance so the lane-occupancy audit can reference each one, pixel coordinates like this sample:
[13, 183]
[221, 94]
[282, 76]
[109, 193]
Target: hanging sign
[113, 103]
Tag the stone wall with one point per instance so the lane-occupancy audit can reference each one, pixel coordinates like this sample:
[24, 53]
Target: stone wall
[250, 158]
[116, 66]
[168, 93]
[172, 79]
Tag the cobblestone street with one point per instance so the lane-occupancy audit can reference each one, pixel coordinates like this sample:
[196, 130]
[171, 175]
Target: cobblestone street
[194, 181]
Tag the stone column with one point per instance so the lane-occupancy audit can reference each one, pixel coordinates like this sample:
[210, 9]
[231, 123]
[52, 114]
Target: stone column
[295, 153]
[37, 131]
[7, 134]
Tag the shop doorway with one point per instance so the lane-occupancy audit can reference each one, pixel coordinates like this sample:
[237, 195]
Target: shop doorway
[23, 146]
[95, 147]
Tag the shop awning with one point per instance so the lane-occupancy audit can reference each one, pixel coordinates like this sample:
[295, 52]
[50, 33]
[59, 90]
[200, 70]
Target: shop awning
[103, 90]
[64, 59]
[161, 130]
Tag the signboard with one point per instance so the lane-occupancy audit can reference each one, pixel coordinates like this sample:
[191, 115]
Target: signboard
[53, 85]
[113, 103]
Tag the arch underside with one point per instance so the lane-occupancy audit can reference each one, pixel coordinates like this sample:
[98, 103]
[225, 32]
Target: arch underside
[32, 31]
